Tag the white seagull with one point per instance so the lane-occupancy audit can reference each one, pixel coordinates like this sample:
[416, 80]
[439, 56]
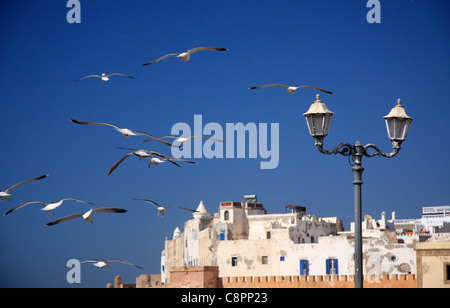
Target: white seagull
[154, 158]
[291, 89]
[4, 194]
[162, 209]
[156, 161]
[126, 132]
[185, 56]
[181, 139]
[48, 207]
[104, 77]
[88, 215]
[104, 263]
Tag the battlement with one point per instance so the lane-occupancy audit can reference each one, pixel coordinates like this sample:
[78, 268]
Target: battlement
[208, 277]
[239, 204]
[326, 281]
[230, 204]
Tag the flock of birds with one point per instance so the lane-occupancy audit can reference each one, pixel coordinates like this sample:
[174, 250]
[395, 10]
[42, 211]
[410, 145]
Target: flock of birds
[155, 158]
[51, 206]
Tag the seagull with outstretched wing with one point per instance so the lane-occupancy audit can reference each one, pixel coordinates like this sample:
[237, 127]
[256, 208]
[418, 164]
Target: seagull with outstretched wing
[291, 89]
[88, 215]
[104, 77]
[104, 263]
[48, 207]
[181, 140]
[5, 194]
[185, 56]
[155, 158]
[162, 209]
[126, 132]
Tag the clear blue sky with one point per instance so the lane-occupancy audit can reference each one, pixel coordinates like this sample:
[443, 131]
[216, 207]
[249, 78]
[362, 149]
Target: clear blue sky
[327, 44]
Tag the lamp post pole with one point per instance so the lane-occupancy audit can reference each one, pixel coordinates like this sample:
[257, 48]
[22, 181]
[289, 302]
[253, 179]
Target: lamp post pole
[318, 119]
[357, 182]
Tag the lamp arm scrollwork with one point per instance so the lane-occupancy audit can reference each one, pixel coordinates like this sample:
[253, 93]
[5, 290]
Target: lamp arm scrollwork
[343, 148]
[347, 149]
[379, 152]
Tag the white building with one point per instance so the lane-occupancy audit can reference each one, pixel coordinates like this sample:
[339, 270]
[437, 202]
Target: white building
[192, 237]
[243, 240]
[300, 244]
[382, 254]
[434, 220]
[190, 247]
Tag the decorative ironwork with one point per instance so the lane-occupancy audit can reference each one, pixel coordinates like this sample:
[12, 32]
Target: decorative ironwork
[379, 152]
[346, 149]
[343, 148]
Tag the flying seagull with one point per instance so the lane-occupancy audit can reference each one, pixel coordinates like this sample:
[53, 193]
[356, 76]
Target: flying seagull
[48, 207]
[162, 209]
[104, 77]
[88, 215]
[185, 56]
[4, 194]
[104, 263]
[182, 139]
[126, 132]
[154, 158]
[291, 89]
[156, 161]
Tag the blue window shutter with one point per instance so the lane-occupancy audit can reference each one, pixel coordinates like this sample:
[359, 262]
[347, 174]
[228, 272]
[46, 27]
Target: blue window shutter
[336, 266]
[327, 266]
[307, 267]
[304, 267]
[222, 236]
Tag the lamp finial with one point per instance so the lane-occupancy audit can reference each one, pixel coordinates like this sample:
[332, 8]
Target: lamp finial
[399, 101]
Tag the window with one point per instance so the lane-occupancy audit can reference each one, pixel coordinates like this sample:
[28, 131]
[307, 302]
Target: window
[234, 261]
[312, 239]
[447, 273]
[222, 236]
[332, 266]
[265, 260]
[226, 215]
[304, 267]
[282, 258]
[268, 235]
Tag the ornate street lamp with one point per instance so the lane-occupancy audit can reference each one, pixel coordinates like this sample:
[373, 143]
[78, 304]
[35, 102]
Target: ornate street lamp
[318, 119]
[397, 123]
